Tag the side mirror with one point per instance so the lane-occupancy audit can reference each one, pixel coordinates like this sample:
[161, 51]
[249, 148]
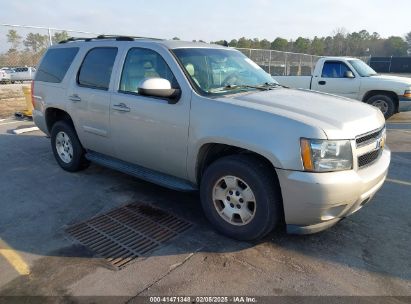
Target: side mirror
[158, 87]
[349, 74]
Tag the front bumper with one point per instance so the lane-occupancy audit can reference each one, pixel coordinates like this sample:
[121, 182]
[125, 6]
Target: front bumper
[316, 201]
[404, 104]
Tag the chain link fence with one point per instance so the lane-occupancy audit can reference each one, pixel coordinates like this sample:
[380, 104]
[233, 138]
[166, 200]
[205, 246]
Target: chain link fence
[391, 64]
[23, 46]
[278, 63]
[282, 63]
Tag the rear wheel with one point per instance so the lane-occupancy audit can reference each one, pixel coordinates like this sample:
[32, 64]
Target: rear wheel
[384, 102]
[67, 148]
[241, 197]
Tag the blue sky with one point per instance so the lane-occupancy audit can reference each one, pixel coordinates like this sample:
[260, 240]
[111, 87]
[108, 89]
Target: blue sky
[213, 19]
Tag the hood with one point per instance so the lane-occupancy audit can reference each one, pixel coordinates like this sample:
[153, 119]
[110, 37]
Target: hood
[405, 81]
[338, 117]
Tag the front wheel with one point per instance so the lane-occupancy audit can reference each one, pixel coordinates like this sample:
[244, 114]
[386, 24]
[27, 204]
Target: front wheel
[385, 103]
[241, 197]
[67, 148]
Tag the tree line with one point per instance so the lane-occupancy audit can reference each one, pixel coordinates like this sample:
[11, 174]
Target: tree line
[340, 43]
[33, 42]
[28, 50]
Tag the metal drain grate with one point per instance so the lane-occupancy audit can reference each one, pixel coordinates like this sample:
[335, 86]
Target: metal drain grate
[124, 234]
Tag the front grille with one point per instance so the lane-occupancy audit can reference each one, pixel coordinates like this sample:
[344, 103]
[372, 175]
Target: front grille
[363, 140]
[368, 158]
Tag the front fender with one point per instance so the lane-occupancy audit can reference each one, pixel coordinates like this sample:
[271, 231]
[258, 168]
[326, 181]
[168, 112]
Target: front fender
[270, 135]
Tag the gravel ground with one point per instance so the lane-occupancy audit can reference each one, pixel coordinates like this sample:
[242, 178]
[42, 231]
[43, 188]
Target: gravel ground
[11, 99]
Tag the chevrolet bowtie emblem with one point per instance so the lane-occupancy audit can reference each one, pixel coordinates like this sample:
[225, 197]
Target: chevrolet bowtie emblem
[380, 143]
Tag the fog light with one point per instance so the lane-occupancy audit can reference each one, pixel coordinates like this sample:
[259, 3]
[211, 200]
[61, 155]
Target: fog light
[333, 212]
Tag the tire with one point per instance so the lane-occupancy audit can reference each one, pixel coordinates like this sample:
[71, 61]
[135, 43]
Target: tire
[65, 143]
[242, 171]
[385, 103]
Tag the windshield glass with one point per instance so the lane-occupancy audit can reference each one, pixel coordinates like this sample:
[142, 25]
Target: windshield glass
[362, 68]
[222, 71]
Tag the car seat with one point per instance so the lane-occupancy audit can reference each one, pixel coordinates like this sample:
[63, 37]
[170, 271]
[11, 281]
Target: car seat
[135, 73]
[191, 71]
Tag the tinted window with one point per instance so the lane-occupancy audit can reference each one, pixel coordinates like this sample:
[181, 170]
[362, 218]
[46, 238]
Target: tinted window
[95, 72]
[142, 64]
[334, 69]
[55, 64]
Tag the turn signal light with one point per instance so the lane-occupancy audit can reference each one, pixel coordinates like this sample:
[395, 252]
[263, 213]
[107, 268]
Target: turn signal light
[306, 155]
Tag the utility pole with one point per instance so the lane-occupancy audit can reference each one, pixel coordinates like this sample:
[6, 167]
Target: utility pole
[50, 40]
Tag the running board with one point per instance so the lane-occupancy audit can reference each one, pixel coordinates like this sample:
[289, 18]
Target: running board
[152, 176]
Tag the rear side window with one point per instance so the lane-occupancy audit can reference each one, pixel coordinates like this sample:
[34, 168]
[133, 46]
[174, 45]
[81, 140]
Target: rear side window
[55, 64]
[95, 71]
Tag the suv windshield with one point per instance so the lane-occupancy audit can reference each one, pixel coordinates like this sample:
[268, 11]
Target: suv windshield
[222, 71]
[362, 68]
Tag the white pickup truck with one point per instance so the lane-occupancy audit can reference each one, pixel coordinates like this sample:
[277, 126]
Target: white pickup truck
[22, 74]
[352, 78]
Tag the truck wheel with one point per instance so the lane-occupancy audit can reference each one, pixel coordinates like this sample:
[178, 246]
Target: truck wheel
[241, 197]
[67, 148]
[385, 103]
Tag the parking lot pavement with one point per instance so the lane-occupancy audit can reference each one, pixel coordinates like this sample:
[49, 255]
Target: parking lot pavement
[366, 254]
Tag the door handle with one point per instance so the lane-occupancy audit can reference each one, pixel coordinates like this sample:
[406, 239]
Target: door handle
[75, 98]
[322, 82]
[122, 107]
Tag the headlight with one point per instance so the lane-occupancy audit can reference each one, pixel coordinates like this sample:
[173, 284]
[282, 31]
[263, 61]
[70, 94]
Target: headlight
[320, 155]
[407, 93]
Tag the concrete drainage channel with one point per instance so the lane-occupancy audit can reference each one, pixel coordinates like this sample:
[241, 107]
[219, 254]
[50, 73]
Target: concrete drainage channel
[127, 233]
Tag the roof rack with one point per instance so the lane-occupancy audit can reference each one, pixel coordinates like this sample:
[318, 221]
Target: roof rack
[101, 37]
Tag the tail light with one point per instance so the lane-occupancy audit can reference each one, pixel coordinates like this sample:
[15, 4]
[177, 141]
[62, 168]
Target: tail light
[32, 94]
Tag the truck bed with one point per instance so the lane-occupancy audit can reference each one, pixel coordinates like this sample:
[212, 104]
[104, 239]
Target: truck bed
[298, 82]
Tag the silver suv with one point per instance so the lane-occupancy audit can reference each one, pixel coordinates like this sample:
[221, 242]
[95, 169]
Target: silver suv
[191, 116]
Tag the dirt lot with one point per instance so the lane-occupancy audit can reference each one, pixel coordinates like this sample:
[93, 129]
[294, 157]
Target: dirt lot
[11, 99]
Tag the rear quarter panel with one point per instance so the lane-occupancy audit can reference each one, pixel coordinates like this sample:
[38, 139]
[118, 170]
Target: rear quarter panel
[53, 95]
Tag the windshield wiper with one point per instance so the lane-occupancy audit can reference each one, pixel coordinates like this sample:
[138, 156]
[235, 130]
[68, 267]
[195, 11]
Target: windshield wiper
[264, 87]
[240, 86]
[270, 85]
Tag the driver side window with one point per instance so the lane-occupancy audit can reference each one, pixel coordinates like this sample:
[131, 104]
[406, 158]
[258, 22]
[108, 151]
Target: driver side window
[142, 64]
[334, 69]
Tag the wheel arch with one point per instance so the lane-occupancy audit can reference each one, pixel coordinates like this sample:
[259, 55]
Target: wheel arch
[52, 115]
[391, 94]
[210, 152]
